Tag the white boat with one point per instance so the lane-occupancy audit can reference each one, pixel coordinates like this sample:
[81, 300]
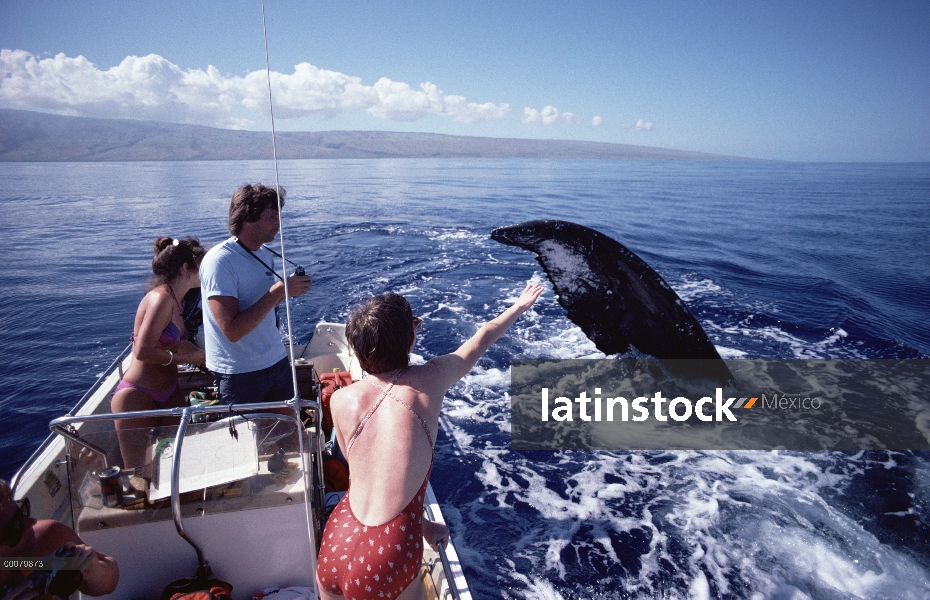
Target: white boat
[239, 494]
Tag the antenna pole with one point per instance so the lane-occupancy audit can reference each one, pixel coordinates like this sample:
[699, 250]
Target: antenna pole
[277, 187]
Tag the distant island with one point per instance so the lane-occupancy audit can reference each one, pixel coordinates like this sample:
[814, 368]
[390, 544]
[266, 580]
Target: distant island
[27, 136]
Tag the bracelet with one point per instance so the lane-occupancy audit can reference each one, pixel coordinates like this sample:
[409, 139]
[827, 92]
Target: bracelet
[170, 358]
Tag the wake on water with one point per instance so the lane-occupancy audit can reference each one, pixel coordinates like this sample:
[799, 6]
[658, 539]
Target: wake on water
[654, 524]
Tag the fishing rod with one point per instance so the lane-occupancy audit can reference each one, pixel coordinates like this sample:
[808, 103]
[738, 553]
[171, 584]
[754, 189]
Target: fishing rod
[287, 309]
[277, 187]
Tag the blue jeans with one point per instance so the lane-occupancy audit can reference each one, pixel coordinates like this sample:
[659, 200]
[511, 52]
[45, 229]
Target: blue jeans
[265, 385]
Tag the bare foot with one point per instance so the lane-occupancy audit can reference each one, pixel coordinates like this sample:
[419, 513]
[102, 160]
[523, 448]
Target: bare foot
[434, 533]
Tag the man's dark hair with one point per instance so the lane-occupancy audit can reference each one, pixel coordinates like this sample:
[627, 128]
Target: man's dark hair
[248, 204]
[380, 332]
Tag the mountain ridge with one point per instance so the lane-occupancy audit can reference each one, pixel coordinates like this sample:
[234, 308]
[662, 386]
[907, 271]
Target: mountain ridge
[27, 136]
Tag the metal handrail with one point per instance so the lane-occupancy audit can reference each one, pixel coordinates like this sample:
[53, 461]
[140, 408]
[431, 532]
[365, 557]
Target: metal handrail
[446, 565]
[61, 426]
[77, 439]
[294, 404]
[116, 364]
[14, 481]
[236, 409]
[203, 567]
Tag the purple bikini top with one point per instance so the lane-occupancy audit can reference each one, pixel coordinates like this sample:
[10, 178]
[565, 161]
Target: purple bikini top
[171, 336]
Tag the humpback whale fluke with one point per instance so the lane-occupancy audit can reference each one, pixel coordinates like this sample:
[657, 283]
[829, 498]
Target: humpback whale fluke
[613, 295]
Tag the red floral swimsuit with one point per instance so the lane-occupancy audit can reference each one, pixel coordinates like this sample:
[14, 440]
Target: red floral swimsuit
[373, 561]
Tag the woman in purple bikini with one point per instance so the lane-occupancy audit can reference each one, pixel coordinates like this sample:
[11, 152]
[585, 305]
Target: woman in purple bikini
[159, 345]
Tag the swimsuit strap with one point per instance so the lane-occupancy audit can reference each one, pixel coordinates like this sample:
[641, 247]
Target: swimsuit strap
[132, 336]
[387, 392]
[173, 297]
[361, 425]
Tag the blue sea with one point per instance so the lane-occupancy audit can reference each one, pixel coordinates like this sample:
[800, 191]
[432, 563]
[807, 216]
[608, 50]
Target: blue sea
[775, 260]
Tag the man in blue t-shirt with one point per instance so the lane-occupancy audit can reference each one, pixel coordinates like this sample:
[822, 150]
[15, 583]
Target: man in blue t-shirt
[241, 290]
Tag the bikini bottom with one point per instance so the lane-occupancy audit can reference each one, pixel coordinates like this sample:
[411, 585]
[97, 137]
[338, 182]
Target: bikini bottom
[160, 398]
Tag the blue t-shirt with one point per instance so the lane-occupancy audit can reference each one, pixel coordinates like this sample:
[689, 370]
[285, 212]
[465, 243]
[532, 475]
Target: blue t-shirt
[229, 270]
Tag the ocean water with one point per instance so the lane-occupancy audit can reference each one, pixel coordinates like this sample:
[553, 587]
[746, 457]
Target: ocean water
[775, 261]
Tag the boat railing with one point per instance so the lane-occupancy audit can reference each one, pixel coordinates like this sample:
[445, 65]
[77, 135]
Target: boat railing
[446, 565]
[328, 340]
[65, 427]
[248, 430]
[116, 365]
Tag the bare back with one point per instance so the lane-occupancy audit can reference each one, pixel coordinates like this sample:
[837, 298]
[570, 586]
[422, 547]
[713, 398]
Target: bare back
[392, 455]
[390, 450]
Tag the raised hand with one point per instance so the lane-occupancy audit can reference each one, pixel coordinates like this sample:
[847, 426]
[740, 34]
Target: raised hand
[530, 293]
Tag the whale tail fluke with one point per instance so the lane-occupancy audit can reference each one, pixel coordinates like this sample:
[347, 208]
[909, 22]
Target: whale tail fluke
[617, 299]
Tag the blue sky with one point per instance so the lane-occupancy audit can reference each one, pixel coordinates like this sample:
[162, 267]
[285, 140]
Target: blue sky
[818, 81]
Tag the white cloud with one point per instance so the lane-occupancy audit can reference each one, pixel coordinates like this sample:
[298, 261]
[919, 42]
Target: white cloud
[151, 87]
[596, 121]
[399, 102]
[643, 125]
[547, 116]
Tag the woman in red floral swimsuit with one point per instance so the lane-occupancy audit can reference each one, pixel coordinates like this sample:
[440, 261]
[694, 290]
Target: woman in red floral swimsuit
[373, 543]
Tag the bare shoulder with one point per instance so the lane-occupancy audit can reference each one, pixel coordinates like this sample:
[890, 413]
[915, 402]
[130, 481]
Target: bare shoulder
[160, 297]
[345, 401]
[428, 381]
[52, 535]
[157, 301]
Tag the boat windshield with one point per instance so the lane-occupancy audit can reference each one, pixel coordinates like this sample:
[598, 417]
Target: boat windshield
[242, 493]
[225, 465]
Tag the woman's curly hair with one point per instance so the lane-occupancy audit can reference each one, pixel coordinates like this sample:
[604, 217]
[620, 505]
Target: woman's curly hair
[172, 254]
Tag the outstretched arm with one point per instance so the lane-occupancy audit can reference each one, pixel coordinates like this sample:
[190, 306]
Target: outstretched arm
[454, 366]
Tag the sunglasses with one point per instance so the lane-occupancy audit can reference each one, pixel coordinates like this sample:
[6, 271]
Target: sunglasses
[13, 532]
[417, 323]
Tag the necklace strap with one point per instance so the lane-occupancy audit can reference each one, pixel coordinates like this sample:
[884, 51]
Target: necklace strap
[268, 248]
[253, 255]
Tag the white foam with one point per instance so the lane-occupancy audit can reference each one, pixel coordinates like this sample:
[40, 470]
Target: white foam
[690, 290]
[829, 347]
[726, 352]
[921, 410]
[758, 517]
[699, 589]
[536, 588]
[455, 235]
